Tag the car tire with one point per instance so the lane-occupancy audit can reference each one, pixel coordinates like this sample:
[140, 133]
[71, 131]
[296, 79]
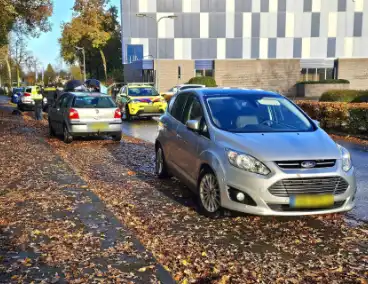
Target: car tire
[160, 164]
[117, 137]
[67, 137]
[209, 195]
[51, 130]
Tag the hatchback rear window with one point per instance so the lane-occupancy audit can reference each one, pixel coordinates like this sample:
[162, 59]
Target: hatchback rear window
[93, 102]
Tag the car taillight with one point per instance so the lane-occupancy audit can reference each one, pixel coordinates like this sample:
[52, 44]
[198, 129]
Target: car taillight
[117, 113]
[27, 94]
[73, 114]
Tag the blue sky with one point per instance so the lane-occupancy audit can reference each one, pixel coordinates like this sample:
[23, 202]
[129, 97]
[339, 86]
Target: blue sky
[46, 47]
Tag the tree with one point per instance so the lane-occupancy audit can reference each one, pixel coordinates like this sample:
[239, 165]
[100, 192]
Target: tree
[19, 54]
[89, 29]
[50, 75]
[76, 73]
[27, 17]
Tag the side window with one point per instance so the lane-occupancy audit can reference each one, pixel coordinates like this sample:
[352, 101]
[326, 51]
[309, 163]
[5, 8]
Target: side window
[193, 110]
[60, 101]
[178, 105]
[65, 101]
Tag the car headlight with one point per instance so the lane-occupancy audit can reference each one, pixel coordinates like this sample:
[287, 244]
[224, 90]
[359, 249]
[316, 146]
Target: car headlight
[345, 158]
[247, 163]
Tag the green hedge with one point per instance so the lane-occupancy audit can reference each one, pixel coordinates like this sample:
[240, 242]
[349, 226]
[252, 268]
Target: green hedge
[330, 81]
[342, 117]
[207, 81]
[347, 96]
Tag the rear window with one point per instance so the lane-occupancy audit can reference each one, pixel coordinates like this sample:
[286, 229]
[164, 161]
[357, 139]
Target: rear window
[29, 90]
[93, 102]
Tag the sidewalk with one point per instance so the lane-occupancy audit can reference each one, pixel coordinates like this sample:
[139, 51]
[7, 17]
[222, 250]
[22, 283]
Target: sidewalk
[52, 228]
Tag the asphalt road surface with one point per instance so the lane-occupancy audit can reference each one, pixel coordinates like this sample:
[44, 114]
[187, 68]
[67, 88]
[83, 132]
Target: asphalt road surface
[147, 130]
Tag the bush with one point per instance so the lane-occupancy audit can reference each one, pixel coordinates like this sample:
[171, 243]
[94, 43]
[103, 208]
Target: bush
[348, 118]
[207, 81]
[329, 81]
[346, 96]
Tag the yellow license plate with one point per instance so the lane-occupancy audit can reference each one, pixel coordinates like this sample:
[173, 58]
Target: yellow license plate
[99, 126]
[312, 201]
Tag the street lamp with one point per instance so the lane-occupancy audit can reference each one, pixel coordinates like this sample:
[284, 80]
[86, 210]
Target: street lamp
[84, 61]
[172, 17]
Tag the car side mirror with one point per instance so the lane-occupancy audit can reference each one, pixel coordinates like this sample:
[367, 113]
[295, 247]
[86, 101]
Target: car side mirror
[317, 123]
[193, 125]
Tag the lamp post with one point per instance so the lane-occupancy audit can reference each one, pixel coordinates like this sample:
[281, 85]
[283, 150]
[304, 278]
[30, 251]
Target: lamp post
[84, 61]
[172, 17]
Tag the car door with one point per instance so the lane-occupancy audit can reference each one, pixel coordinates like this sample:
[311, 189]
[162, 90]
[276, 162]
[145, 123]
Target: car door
[188, 140]
[58, 113]
[169, 124]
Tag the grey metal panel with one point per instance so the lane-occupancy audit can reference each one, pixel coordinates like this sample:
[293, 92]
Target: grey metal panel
[256, 24]
[234, 48]
[187, 25]
[282, 6]
[331, 47]
[204, 48]
[151, 27]
[316, 17]
[297, 48]
[134, 7]
[166, 48]
[307, 23]
[307, 6]
[254, 48]
[281, 24]
[134, 27]
[317, 63]
[243, 5]
[205, 5]
[358, 24]
[265, 6]
[341, 5]
[168, 6]
[152, 47]
[217, 6]
[238, 22]
[272, 48]
[217, 25]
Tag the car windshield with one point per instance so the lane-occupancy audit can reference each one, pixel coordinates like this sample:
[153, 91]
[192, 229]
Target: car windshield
[93, 102]
[256, 113]
[142, 92]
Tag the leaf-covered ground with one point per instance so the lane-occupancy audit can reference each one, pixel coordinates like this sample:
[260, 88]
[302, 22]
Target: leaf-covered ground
[52, 230]
[194, 249]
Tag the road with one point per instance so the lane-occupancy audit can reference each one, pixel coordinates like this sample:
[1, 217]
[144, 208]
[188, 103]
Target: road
[147, 130]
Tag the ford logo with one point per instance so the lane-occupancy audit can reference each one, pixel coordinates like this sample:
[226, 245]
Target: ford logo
[308, 164]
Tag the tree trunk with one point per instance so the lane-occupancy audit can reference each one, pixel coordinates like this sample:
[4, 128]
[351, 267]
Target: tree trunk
[104, 63]
[9, 71]
[18, 75]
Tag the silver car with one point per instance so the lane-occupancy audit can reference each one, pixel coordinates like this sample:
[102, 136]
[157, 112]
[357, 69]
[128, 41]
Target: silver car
[253, 151]
[84, 114]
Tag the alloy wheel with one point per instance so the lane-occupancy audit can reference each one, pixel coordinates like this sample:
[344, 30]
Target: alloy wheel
[209, 192]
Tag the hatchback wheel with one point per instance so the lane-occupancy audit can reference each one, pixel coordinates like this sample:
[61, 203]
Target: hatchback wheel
[209, 195]
[161, 168]
[117, 137]
[68, 138]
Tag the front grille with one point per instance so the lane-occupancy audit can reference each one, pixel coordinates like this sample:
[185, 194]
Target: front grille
[298, 164]
[288, 208]
[325, 185]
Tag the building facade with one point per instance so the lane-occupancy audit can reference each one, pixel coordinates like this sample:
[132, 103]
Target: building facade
[236, 41]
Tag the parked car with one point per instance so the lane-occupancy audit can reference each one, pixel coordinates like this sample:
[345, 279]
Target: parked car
[49, 96]
[253, 151]
[143, 101]
[27, 99]
[84, 114]
[170, 93]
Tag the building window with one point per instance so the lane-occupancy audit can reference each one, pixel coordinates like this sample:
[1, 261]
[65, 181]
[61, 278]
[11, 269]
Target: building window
[204, 73]
[317, 74]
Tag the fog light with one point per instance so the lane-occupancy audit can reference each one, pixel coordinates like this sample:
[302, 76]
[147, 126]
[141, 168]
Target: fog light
[240, 196]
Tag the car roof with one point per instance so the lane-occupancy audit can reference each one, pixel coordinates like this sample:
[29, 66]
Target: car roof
[184, 85]
[232, 91]
[139, 86]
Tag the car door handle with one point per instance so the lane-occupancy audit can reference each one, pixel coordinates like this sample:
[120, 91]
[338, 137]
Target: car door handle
[181, 138]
